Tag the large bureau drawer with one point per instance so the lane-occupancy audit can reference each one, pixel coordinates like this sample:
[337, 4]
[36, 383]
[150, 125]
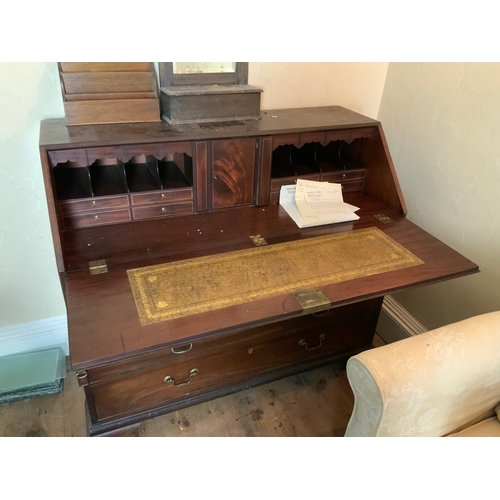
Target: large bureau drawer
[162, 378]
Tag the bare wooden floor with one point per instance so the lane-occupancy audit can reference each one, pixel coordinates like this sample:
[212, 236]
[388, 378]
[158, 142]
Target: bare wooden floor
[315, 403]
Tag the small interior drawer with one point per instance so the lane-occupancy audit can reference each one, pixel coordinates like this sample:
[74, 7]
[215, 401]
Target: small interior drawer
[166, 210]
[350, 186]
[164, 196]
[97, 218]
[97, 203]
[286, 181]
[344, 175]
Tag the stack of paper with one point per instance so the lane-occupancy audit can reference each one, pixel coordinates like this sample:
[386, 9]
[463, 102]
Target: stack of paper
[311, 203]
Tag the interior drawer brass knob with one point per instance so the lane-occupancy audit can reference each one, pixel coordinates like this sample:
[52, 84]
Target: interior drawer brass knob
[170, 380]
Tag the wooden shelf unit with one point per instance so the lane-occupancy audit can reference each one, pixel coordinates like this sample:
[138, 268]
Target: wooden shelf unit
[195, 190]
[109, 92]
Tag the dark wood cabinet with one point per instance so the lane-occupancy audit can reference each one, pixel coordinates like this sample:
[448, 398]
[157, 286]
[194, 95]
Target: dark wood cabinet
[123, 198]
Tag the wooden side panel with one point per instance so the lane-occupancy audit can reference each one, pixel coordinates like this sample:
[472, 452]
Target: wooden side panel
[51, 205]
[381, 180]
[233, 172]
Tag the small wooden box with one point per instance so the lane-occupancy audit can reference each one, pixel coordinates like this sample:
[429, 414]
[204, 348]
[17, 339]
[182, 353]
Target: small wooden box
[197, 104]
[99, 93]
[196, 96]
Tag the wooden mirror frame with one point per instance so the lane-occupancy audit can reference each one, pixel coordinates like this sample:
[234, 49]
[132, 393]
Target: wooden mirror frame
[169, 79]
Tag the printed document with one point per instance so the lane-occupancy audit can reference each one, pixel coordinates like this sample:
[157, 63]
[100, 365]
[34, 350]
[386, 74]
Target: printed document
[311, 203]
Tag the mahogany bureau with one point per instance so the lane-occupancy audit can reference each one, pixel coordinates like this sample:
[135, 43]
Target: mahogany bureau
[124, 197]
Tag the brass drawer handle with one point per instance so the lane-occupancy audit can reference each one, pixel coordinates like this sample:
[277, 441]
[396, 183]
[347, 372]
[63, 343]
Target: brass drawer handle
[183, 351]
[321, 338]
[170, 380]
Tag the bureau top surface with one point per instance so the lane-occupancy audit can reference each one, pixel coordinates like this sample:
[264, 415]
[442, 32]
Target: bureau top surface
[54, 134]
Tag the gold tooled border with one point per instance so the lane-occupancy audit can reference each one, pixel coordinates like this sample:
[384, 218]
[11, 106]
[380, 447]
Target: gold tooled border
[399, 258]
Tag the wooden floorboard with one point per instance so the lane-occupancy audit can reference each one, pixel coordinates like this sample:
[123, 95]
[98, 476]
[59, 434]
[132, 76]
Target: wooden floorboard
[314, 403]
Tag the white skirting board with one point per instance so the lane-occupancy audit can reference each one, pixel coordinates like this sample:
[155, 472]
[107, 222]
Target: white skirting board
[396, 323]
[49, 332]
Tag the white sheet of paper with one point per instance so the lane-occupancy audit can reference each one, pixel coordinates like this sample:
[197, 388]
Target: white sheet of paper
[326, 206]
[300, 200]
[287, 201]
[321, 200]
[331, 189]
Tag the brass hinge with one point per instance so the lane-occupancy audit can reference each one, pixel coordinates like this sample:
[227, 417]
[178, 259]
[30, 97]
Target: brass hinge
[258, 240]
[383, 218]
[312, 300]
[98, 266]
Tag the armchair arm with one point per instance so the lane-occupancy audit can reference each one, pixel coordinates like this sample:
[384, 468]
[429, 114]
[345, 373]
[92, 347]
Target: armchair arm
[430, 384]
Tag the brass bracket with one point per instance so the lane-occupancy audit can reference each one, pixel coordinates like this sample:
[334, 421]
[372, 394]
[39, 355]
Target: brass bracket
[258, 240]
[383, 218]
[312, 300]
[98, 266]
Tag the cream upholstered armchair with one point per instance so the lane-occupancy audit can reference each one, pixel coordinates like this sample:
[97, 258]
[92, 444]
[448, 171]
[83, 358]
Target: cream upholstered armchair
[445, 382]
